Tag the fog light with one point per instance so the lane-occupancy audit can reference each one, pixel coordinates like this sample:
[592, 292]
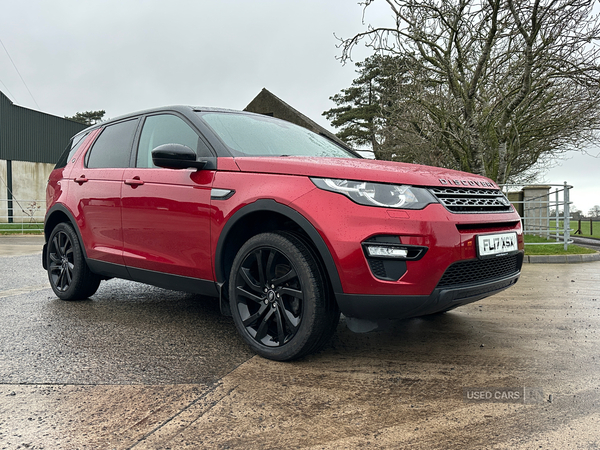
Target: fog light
[386, 252]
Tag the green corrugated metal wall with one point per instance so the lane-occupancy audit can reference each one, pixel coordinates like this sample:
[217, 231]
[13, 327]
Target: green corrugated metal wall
[28, 135]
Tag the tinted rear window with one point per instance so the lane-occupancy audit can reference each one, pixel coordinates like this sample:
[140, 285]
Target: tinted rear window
[113, 147]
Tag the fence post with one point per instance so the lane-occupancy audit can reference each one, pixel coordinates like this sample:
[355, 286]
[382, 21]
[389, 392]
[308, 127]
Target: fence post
[9, 196]
[556, 215]
[567, 213]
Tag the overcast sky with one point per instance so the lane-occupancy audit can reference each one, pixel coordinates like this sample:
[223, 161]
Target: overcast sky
[123, 56]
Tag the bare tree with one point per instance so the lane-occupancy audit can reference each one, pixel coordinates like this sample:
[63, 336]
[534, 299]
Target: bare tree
[498, 87]
[594, 211]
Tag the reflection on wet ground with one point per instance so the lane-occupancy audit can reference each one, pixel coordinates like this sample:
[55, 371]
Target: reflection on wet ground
[139, 367]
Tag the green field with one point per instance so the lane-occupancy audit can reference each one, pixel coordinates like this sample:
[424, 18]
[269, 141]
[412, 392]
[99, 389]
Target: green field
[585, 227]
[552, 249]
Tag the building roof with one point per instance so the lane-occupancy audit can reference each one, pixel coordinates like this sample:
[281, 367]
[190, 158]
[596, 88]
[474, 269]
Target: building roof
[269, 104]
[29, 135]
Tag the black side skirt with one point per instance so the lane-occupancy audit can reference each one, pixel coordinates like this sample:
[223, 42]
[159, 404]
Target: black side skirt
[159, 279]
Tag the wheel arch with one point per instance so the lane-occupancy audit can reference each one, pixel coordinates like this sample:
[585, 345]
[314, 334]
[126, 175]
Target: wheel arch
[59, 213]
[268, 215]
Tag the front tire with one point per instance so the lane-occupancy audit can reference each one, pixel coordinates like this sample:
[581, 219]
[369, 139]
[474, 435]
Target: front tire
[69, 275]
[279, 299]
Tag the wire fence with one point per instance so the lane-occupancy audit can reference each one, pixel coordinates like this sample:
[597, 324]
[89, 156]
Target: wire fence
[22, 216]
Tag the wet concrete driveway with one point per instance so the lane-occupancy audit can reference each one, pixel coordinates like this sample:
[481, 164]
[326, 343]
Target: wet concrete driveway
[138, 367]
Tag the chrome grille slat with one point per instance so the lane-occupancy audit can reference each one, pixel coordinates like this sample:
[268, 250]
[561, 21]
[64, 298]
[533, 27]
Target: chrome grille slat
[471, 200]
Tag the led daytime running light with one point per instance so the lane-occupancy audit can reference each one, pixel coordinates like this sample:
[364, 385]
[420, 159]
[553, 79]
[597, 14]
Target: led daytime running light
[386, 251]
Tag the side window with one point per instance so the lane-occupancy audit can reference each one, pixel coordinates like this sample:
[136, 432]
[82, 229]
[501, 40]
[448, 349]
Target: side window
[113, 147]
[166, 129]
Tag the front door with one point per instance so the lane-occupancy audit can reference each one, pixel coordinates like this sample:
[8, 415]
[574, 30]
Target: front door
[166, 212]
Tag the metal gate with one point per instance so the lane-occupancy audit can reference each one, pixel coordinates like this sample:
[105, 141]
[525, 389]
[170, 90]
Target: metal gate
[545, 211]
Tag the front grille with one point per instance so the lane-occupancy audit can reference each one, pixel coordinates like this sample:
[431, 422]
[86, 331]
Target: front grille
[479, 271]
[472, 200]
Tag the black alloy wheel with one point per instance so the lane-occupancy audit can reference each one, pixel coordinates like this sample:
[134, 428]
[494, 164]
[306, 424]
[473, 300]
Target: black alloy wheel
[278, 297]
[62, 261]
[69, 274]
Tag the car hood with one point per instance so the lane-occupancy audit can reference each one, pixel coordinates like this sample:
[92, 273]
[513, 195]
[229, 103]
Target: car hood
[363, 169]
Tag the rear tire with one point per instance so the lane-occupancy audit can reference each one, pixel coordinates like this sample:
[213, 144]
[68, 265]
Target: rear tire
[69, 274]
[279, 298]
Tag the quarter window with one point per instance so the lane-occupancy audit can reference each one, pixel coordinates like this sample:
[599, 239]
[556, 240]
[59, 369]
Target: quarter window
[71, 150]
[112, 148]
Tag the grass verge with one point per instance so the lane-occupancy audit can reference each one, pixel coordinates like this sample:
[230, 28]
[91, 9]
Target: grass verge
[552, 249]
[18, 228]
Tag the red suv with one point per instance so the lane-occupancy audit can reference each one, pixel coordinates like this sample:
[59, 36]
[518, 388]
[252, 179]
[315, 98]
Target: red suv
[285, 226]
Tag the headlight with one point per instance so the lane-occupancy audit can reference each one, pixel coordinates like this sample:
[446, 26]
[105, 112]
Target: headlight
[378, 194]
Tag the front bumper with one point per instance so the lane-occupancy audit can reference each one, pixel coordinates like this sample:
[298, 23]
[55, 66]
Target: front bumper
[445, 237]
[443, 298]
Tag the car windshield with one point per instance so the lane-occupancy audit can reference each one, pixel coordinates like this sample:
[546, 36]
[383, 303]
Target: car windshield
[255, 135]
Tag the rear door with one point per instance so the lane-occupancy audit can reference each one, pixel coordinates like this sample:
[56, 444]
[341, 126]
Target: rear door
[166, 212]
[96, 184]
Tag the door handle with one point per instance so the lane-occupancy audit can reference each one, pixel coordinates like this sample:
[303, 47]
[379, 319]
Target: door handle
[135, 181]
[82, 179]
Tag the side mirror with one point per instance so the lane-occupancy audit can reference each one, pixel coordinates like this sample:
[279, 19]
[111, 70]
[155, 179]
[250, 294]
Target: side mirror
[176, 156]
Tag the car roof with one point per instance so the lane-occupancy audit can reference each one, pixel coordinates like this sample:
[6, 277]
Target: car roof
[177, 108]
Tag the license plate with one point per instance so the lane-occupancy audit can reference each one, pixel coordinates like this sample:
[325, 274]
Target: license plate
[500, 244]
